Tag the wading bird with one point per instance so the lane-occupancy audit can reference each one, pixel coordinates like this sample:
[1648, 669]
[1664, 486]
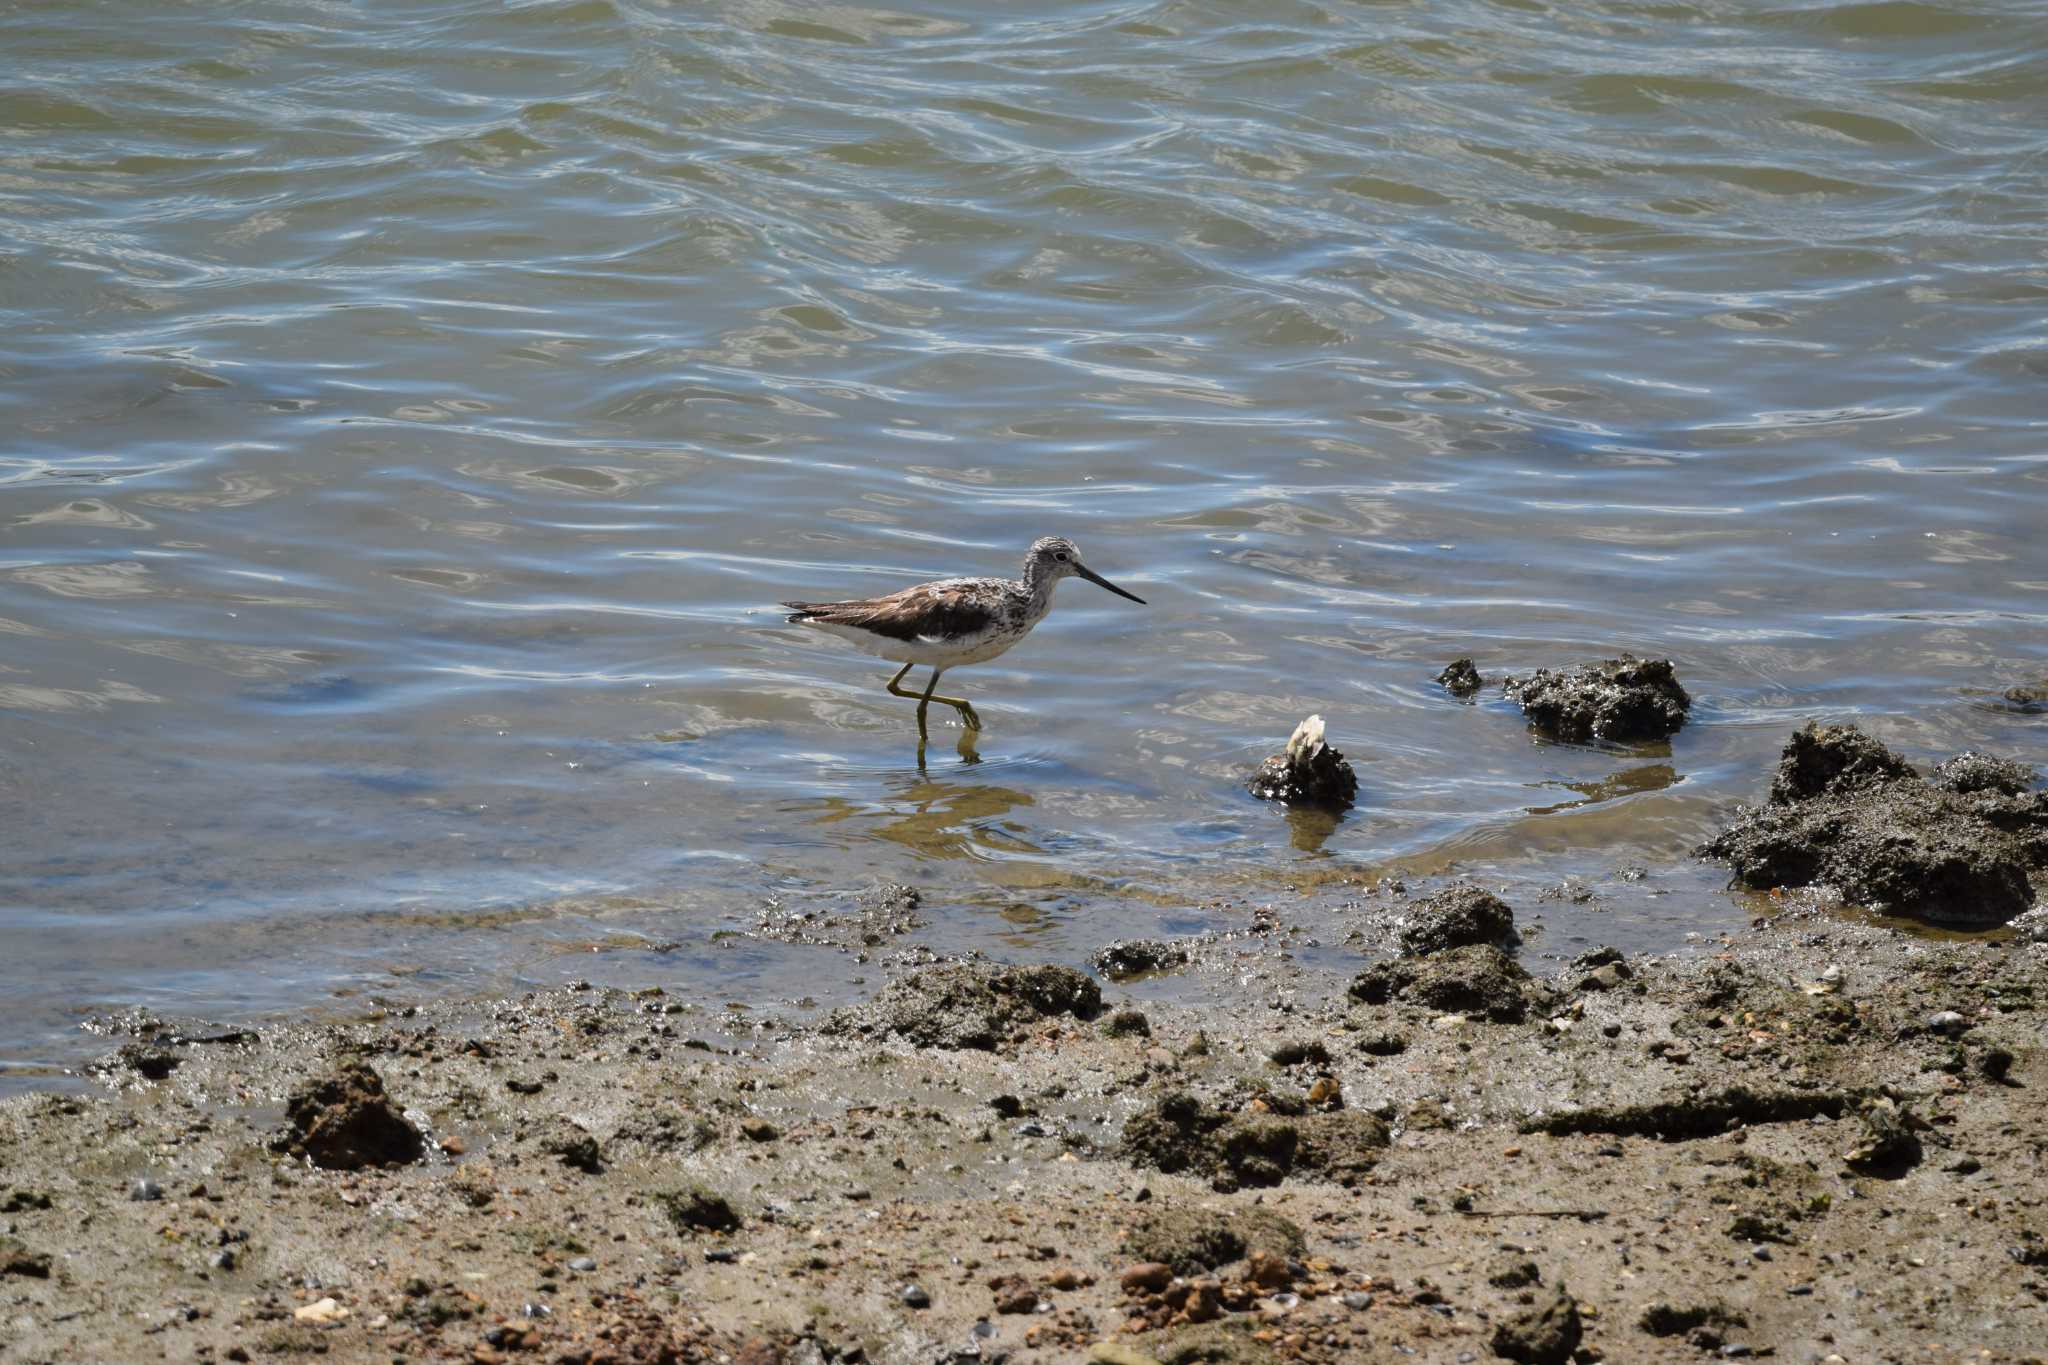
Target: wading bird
[954, 621]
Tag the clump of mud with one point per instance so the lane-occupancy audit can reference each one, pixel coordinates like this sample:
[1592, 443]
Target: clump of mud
[1477, 979]
[1460, 678]
[1308, 772]
[1970, 772]
[1846, 812]
[1193, 1240]
[693, 1209]
[1617, 699]
[344, 1122]
[1253, 1149]
[1454, 917]
[1547, 1334]
[1135, 957]
[972, 1005]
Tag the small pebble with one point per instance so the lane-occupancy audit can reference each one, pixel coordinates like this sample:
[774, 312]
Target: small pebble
[915, 1297]
[1357, 1302]
[144, 1190]
[1948, 1022]
[583, 1264]
[1761, 1253]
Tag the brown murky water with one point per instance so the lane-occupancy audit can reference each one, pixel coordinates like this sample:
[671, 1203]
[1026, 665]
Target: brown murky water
[411, 413]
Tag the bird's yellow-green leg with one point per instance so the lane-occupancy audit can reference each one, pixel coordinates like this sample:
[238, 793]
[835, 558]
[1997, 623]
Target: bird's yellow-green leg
[960, 704]
[928, 696]
[923, 698]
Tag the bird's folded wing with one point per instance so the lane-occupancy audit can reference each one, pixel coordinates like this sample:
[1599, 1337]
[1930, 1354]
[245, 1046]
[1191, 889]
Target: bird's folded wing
[924, 613]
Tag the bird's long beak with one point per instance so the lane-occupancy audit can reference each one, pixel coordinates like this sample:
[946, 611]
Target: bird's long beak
[1099, 581]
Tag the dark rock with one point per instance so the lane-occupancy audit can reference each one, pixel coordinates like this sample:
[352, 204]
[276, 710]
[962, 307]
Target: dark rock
[1458, 915]
[760, 1130]
[1146, 1277]
[914, 1296]
[2026, 700]
[22, 1201]
[972, 1005]
[1014, 1294]
[148, 1061]
[1617, 699]
[574, 1147]
[1234, 1150]
[1545, 1335]
[1478, 979]
[1296, 1051]
[1460, 678]
[696, 1209]
[1833, 760]
[1610, 977]
[1696, 1115]
[1128, 958]
[17, 1259]
[1888, 1146]
[1970, 772]
[1846, 812]
[1307, 773]
[1193, 1240]
[1514, 1272]
[145, 1190]
[344, 1122]
[1128, 1024]
[1675, 1320]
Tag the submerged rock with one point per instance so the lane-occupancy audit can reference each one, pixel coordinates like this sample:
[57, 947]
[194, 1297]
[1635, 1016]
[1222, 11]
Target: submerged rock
[1460, 678]
[1846, 812]
[1251, 1148]
[1476, 979]
[344, 1122]
[1308, 772]
[972, 1005]
[1617, 699]
[1454, 917]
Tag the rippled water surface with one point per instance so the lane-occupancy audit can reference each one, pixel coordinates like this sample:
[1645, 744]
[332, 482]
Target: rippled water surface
[412, 412]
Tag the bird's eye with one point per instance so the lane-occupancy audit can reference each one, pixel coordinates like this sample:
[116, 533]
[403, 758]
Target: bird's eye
[1061, 556]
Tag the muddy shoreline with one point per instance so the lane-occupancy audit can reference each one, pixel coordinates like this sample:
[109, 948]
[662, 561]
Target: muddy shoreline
[1814, 1140]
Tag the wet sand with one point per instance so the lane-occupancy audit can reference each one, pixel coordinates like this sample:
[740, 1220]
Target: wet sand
[1816, 1140]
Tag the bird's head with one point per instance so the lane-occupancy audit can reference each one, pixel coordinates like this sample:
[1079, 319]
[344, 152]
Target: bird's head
[1052, 558]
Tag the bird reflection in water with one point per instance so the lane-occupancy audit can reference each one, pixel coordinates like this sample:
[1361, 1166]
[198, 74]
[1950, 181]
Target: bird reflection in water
[1651, 777]
[937, 818]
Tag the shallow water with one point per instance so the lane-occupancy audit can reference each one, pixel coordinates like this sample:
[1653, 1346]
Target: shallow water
[413, 413]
